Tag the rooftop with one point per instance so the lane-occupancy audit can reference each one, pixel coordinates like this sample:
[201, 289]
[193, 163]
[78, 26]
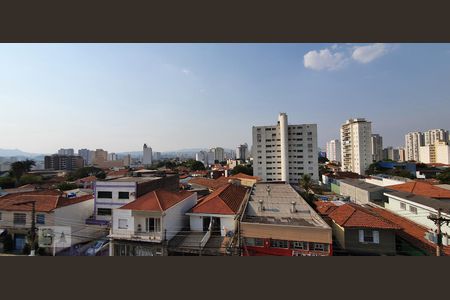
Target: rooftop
[159, 200]
[422, 189]
[130, 179]
[363, 185]
[277, 207]
[426, 201]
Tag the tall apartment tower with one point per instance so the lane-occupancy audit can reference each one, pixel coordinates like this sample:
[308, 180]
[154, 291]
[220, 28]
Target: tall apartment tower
[148, 157]
[219, 154]
[377, 147]
[242, 152]
[67, 152]
[356, 144]
[334, 150]
[435, 135]
[413, 142]
[285, 152]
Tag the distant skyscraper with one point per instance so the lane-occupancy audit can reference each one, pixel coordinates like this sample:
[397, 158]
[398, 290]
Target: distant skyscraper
[413, 141]
[242, 152]
[356, 145]
[148, 157]
[285, 152]
[402, 154]
[390, 153]
[100, 156]
[219, 154]
[63, 162]
[86, 155]
[156, 156]
[112, 156]
[334, 150]
[67, 152]
[377, 147]
[202, 157]
[435, 135]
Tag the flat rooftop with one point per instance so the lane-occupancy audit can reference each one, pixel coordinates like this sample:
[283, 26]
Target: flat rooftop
[277, 207]
[363, 185]
[131, 179]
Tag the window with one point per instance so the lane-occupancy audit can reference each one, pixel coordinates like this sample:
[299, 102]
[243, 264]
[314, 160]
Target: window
[20, 219]
[369, 236]
[153, 225]
[123, 223]
[278, 244]
[104, 195]
[104, 211]
[254, 242]
[124, 195]
[0, 215]
[40, 219]
[402, 205]
[299, 245]
[319, 247]
[413, 209]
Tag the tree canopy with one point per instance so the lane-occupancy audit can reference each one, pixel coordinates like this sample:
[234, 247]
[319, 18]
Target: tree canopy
[444, 177]
[246, 169]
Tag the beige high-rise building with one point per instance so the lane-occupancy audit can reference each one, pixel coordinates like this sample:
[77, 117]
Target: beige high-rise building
[413, 141]
[100, 156]
[402, 154]
[334, 150]
[439, 152]
[285, 152]
[356, 145]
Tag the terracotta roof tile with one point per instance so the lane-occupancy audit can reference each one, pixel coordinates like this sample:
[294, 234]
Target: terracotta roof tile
[227, 200]
[212, 184]
[422, 189]
[158, 200]
[355, 216]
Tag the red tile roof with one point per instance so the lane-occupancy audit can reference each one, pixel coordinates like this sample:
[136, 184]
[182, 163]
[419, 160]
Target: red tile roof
[227, 200]
[118, 173]
[410, 231]
[87, 179]
[325, 207]
[245, 176]
[46, 201]
[355, 216]
[422, 189]
[212, 184]
[159, 200]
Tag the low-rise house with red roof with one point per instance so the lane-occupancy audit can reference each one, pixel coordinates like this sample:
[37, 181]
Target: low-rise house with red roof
[52, 209]
[358, 231]
[144, 226]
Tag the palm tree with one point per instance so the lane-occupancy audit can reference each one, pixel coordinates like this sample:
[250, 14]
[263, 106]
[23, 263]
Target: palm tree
[306, 183]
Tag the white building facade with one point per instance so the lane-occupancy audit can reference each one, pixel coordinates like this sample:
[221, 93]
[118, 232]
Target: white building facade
[148, 156]
[356, 145]
[334, 150]
[435, 135]
[285, 152]
[413, 141]
[439, 152]
[377, 147]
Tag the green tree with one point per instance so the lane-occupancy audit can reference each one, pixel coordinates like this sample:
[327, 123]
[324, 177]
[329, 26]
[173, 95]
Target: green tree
[86, 172]
[19, 168]
[323, 160]
[444, 177]
[30, 179]
[66, 186]
[7, 182]
[246, 169]
[306, 183]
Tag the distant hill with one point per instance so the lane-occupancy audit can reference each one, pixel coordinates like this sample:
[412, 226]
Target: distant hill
[17, 153]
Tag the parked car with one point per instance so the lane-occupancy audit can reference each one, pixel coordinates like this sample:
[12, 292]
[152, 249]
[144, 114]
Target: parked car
[99, 246]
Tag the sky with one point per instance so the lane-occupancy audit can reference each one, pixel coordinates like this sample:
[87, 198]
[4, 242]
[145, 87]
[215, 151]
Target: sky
[176, 96]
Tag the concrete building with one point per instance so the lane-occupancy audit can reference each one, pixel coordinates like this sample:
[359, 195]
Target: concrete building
[285, 152]
[390, 153]
[334, 150]
[402, 154]
[66, 152]
[377, 147]
[63, 162]
[439, 152]
[413, 141]
[356, 139]
[242, 152]
[156, 156]
[112, 157]
[86, 155]
[100, 156]
[435, 135]
[148, 155]
[219, 154]
[362, 192]
[278, 221]
[202, 157]
[211, 156]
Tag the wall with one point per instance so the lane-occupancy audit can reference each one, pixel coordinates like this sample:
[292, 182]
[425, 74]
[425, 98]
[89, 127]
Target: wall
[422, 212]
[170, 183]
[115, 202]
[385, 246]
[176, 219]
[383, 182]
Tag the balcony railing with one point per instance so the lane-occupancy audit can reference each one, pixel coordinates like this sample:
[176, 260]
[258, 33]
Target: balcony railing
[139, 236]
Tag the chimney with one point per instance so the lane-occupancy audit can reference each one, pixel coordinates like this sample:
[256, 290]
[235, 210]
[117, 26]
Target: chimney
[261, 205]
[293, 209]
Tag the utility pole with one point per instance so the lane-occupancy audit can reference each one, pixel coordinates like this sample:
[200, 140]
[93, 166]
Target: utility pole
[33, 225]
[439, 220]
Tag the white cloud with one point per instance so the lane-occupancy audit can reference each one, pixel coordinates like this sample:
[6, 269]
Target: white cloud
[324, 60]
[186, 71]
[366, 54]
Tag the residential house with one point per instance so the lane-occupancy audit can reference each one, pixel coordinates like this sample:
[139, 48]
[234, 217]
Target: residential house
[362, 192]
[144, 226]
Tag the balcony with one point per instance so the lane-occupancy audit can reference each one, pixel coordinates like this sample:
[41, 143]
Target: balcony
[155, 237]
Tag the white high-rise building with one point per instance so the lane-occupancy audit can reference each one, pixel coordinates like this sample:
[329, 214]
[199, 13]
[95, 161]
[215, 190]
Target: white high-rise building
[202, 157]
[219, 154]
[356, 145]
[334, 150]
[285, 152]
[439, 152]
[435, 135]
[413, 141]
[147, 158]
[377, 147]
[67, 152]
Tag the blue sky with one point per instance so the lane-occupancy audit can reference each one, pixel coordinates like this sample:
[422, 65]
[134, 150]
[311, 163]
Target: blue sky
[174, 96]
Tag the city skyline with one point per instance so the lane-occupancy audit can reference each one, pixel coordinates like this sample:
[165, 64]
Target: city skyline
[117, 97]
